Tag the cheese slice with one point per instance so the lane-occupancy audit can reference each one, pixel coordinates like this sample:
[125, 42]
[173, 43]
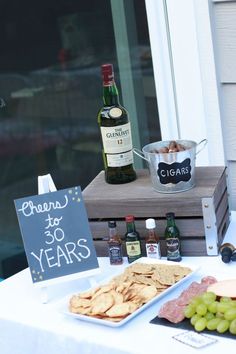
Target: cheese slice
[224, 288]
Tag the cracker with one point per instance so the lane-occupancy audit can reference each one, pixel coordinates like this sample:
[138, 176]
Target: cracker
[119, 310]
[147, 293]
[101, 303]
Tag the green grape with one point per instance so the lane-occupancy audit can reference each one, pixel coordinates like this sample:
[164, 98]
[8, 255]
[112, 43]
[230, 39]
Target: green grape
[232, 327]
[222, 326]
[194, 319]
[230, 314]
[209, 316]
[213, 323]
[189, 311]
[223, 306]
[225, 299]
[208, 297]
[201, 309]
[196, 301]
[219, 315]
[212, 307]
[200, 325]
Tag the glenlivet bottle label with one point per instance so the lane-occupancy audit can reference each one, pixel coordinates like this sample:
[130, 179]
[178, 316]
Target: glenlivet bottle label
[116, 139]
[173, 248]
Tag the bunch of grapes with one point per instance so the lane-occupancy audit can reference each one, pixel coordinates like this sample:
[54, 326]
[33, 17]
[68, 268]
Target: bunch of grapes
[206, 311]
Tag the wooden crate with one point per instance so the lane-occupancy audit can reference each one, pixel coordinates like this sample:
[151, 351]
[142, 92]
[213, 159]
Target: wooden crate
[202, 213]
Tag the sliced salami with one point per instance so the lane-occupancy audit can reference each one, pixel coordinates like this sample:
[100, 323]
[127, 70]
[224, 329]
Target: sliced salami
[173, 310]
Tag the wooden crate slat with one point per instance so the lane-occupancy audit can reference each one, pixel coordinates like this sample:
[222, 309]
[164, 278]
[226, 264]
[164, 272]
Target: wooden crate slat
[220, 189]
[140, 199]
[222, 208]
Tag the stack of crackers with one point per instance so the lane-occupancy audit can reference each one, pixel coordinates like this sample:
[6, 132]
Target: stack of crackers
[127, 292]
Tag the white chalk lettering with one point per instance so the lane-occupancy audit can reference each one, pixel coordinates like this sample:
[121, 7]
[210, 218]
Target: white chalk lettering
[61, 253]
[28, 208]
[39, 258]
[178, 172]
[52, 221]
[163, 173]
[58, 235]
[88, 252]
[70, 248]
[48, 234]
[49, 258]
[68, 253]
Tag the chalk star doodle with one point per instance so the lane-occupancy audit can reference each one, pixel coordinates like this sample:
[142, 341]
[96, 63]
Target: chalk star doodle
[37, 276]
[75, 192]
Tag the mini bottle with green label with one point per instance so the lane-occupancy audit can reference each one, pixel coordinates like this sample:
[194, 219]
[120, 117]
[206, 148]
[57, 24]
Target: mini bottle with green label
[115, 130]
[132, 240]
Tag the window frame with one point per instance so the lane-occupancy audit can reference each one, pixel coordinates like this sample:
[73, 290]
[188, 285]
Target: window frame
[185, 74]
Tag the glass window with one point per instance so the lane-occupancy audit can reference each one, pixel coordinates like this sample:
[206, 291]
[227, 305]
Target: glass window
[50, 57]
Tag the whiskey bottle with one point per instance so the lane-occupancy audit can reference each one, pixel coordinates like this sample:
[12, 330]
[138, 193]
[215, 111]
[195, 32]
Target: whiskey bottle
[152, 240]
[114, 244]
[132, 240]
[172, 237]
[116, 136]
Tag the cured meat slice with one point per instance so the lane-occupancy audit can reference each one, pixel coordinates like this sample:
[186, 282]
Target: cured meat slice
[173, 310]
[209, 280]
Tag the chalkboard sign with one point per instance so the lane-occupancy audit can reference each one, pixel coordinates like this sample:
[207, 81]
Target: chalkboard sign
[56, 235]
[174, 172]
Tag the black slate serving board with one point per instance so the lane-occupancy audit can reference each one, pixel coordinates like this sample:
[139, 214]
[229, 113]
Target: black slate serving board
[185, 324]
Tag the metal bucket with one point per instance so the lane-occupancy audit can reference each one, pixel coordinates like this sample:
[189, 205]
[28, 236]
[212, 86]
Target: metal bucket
[171, 172]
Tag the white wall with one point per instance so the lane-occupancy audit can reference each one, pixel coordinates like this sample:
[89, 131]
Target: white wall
[224, 34]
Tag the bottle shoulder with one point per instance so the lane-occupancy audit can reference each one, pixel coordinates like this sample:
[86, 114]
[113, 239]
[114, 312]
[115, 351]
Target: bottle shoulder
[112, 115]
[152, 237]
[129, 236]
[171, 232]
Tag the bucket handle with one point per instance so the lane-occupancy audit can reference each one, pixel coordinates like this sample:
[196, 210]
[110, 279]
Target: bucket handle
[204, 142]
[140, 154]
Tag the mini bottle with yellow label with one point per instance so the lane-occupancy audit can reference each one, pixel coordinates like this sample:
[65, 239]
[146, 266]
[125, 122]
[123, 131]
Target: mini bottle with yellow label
[115, 129]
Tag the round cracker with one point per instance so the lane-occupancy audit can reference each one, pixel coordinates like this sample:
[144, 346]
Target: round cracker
[101, 303]
[119, 310]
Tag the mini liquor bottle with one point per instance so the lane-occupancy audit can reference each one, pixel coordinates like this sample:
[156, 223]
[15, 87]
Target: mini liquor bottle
[172, 237]
[152, 240]
[132, 240]
[114, 244]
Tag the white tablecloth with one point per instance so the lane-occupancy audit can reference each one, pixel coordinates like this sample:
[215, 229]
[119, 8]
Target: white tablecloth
[29, 327]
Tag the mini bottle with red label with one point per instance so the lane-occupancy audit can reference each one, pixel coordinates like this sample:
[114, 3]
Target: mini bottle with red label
[152, 240]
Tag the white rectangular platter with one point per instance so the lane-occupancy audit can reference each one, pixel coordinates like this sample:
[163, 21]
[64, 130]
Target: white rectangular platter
[65, 302]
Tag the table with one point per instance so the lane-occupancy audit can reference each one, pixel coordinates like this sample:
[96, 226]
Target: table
[27, 326]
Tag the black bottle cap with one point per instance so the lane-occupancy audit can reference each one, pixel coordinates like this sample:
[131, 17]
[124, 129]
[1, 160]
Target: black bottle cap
[112, 224]
[170, 215]
[226, 254]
